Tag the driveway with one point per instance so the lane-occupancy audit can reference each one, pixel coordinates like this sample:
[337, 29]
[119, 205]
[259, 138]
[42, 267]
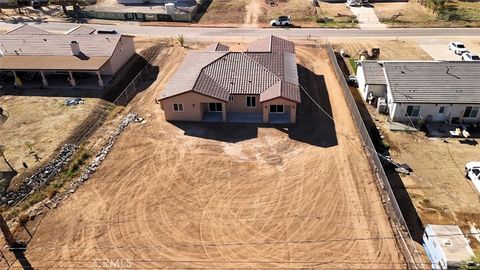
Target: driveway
[438, 49]
[367, 19]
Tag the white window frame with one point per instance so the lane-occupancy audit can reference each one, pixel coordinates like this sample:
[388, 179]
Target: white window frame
[413, 111]
[254, 98]
[276, 106]
[179, 107]
[475, 109]
[221, 106]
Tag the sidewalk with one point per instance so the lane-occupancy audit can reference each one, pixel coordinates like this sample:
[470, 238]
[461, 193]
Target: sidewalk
[367, 19]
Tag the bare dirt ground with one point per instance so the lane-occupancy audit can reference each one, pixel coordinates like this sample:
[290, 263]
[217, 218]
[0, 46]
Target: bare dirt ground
[390, 49]
[253, 11]
[225, 12]
[194, 196]
[39, 124]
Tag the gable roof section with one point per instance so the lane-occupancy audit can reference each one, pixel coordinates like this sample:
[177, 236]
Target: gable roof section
[239, 74]
[57, 44]
[217, 47]
[188, 72]
[219, 74]
[27, 30]
[81, 30]
[373, 72]
[434, 81]
[271, 44]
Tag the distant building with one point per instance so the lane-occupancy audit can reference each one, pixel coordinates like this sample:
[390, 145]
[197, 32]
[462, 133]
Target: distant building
[216, 85]
[435, 91]
[446, 246]
[32, 57]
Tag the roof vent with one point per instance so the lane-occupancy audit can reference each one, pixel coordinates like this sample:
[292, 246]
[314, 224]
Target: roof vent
[447, 242]
[75, 48]
[44, 39]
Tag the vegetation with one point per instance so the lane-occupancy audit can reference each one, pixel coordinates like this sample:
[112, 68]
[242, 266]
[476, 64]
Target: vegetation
[473, 263]
[181, 40]
[353, 64]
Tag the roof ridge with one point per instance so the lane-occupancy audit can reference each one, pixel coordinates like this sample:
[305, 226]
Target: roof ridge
[259, 64]
[203, 69]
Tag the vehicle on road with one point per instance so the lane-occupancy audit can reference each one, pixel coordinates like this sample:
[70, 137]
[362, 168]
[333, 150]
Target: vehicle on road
[281, 21]
[470, 57]
[457, 47]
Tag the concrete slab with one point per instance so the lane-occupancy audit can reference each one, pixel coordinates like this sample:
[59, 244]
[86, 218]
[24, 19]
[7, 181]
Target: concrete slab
[395, 126]
[367, 19]
[438, 49]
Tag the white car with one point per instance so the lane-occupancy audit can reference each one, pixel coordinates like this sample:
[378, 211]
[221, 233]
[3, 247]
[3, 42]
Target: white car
[457, 47]
[281, 21]
[470, 57]
[472, 170]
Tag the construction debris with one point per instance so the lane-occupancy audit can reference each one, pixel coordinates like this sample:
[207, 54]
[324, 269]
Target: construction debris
[73, 101]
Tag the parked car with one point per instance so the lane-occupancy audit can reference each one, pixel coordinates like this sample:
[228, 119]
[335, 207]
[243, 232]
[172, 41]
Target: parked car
[281, 21]
[457, 47]
[470, 57]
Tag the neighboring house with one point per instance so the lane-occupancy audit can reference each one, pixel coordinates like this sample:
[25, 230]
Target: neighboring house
[446, 246]
[259, 85]
[434, 91]
[34, 57]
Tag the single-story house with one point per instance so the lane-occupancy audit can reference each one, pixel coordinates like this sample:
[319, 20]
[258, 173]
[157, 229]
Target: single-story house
[259, 85]
[34, 56]
[434, 91]
[446, 246]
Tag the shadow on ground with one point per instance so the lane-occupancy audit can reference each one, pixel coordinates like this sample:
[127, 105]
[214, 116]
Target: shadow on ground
[313, 126]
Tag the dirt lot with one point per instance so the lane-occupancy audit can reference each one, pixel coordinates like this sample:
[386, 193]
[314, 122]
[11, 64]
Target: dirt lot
[461, 14]
[225, 12]
[39, 124]
[196, 196]
[390, 49]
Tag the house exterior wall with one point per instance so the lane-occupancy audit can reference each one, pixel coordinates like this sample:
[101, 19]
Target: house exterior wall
[194, 105]
[239, 104]
[378, 90]
[431, 112]
[125, 50]
[290, 107]
[361, 78]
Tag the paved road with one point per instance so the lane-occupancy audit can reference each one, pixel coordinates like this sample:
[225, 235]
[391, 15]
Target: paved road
[294, 33]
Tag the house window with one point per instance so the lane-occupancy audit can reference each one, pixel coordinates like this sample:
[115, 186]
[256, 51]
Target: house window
[442, 109]
[178, 107]
[470, 112]
[251, 101]
[215, 107]
[231, 99]
[276, 108]
[413, 111]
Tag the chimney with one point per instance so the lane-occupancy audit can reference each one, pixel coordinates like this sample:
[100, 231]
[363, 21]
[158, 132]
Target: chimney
[75, 48]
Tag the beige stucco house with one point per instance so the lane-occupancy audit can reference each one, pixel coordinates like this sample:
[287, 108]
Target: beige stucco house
[35, 57]
[216, 85]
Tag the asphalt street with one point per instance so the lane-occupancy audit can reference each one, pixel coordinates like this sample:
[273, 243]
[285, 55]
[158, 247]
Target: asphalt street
[134, 28]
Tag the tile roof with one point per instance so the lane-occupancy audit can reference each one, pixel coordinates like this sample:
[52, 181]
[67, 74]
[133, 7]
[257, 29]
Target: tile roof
[29, 48]
[373, 72]
[219, 74]
[434, 81]
[217, 47]
[271, 44]
[81, 30]
[27, 30]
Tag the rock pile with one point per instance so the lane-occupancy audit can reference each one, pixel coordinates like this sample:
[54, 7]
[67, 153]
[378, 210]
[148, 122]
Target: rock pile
[92, 167]
[41, 177]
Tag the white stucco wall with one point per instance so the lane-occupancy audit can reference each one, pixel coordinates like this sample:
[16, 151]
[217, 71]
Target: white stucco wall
[360, 78]
[398, 112]
[125, 50]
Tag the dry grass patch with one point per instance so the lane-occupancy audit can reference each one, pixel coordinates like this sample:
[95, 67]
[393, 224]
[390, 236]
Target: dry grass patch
[302, 12]
[225, 11]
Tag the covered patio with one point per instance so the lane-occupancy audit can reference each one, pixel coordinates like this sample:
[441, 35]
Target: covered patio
[233, 117]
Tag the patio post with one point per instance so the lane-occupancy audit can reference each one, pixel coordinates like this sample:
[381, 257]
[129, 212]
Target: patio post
[224, 112]
[17, 81]
[100, 81]
[44, 79]
[71, 79]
